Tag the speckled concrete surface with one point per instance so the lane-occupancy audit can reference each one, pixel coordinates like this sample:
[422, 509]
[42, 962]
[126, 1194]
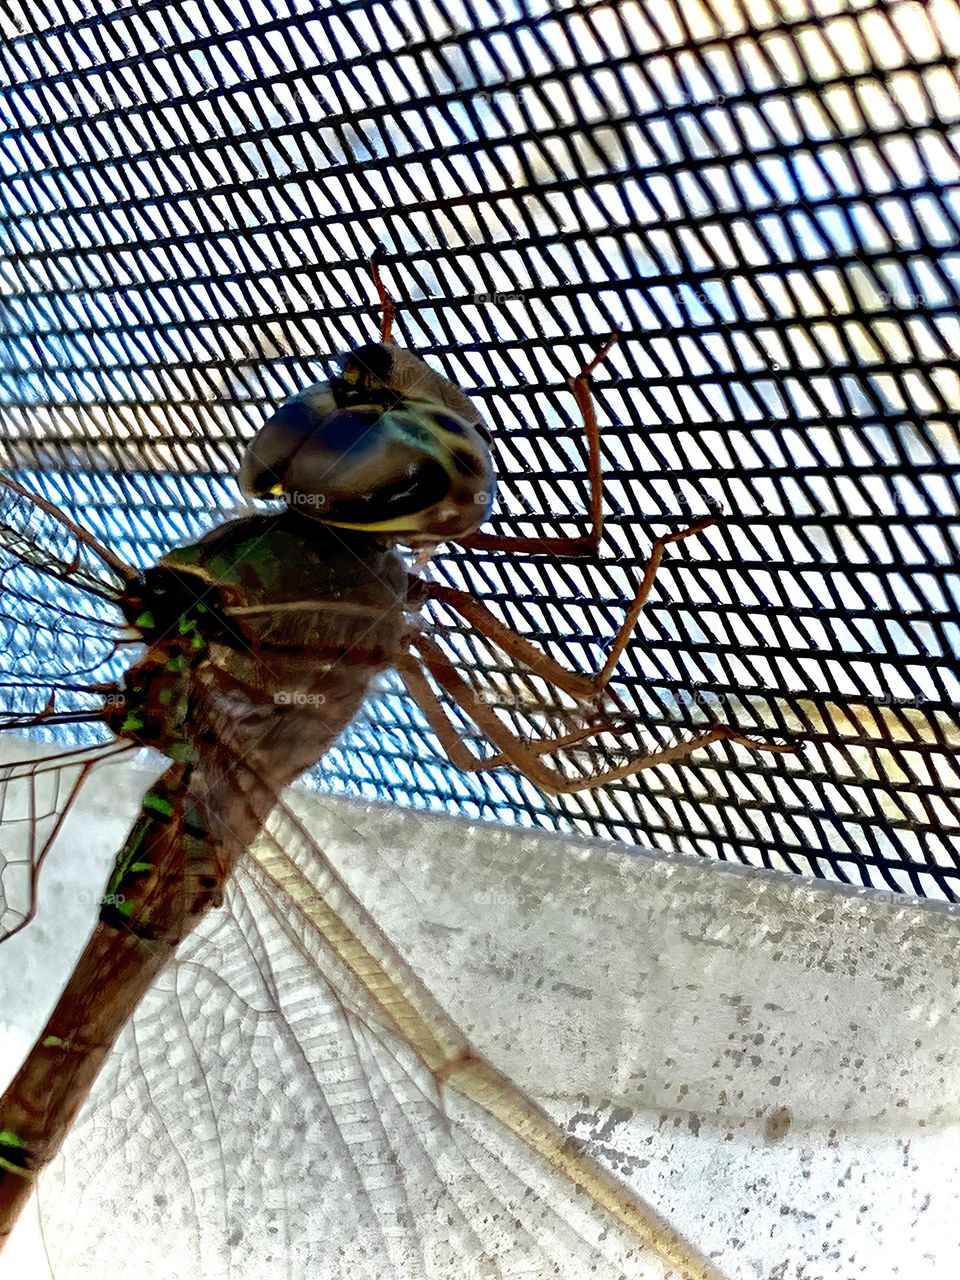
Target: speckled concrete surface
[775, 1064]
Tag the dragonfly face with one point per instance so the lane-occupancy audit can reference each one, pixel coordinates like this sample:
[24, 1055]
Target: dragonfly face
[389, 447]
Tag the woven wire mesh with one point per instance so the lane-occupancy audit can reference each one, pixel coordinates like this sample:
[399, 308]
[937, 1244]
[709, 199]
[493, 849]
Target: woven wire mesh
[762, 196]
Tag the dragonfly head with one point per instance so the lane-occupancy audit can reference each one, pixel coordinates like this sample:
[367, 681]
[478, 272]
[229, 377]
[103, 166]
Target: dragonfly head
[389, 447]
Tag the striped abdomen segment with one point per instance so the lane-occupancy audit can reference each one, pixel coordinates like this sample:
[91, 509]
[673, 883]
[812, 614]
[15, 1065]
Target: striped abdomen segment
[165, 877]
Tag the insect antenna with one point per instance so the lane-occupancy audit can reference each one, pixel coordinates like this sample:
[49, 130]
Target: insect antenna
[387, 306]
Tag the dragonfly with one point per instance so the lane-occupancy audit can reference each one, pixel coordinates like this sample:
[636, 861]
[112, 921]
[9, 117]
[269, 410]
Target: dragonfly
[253, 649]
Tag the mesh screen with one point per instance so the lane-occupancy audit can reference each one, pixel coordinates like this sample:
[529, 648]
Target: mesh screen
[762, 196]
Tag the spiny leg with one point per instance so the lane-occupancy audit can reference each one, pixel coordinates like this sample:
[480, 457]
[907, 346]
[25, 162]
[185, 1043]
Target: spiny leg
[587, 543]
[522, 756]
[523, 650]
[466, 760]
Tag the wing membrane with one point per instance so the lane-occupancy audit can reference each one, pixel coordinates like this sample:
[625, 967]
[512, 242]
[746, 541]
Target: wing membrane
[36, 532]
[271, 1111]
[61, 629]
[60, 622]
[35, 799]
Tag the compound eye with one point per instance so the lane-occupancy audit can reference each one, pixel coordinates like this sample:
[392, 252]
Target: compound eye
[268, 455]
[413, 471]
[298, 443]
[455, 426]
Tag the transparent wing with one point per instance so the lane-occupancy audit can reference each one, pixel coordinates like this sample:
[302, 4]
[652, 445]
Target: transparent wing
[35, 800]
[34, 531]
[264, 1115]
[61, 630]
[662, 1007]
[60, 622]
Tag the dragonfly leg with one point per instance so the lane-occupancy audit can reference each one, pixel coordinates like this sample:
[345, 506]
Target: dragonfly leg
[587, 543]
[523, 756]
[523, 650]
[467, 760]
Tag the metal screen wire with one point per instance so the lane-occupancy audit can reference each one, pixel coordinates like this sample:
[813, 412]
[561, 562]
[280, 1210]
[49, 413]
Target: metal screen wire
[762, 196]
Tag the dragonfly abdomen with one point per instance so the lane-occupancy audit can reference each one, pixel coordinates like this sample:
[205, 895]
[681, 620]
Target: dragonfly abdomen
[170, 871]
[168, 874]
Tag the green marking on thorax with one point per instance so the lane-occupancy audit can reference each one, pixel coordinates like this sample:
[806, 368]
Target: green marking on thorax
[9, 1139]
[54, 1042]
[257, 559]
[192, 824]
[218, 568]
[158, 803]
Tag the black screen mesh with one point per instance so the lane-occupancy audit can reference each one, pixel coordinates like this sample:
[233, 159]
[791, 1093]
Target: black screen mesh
[763, 196]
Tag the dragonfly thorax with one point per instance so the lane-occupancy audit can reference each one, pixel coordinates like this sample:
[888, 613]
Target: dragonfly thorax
[155, 709]
[270, 629]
